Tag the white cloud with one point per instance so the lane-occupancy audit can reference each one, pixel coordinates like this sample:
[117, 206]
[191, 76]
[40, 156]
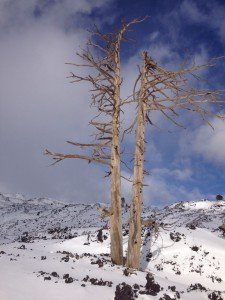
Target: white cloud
[39, 107]
[154, 36]
[191, 10]
[213, 17]
[161, 190]
[61, 14]
[177, 174]
[210, 144]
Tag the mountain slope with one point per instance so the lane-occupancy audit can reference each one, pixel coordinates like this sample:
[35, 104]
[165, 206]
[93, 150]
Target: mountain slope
[42, 240]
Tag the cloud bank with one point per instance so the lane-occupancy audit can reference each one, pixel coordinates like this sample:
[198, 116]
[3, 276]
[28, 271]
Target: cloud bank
[40, 109]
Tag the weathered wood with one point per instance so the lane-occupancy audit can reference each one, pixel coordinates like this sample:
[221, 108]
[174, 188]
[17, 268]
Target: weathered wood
[167, 92]
[134, 242]
[116, 217]
[104, 212]
[148, 222]
[60, 156]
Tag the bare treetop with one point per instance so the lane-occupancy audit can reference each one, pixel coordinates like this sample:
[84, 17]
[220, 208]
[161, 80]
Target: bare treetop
[170, 92]
[102, 55]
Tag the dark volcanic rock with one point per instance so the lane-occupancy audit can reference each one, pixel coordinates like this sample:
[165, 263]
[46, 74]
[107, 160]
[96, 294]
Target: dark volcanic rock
[100, 236]
[215, 296]
[195, 248]
[47, 278]
[23, 247]
[98, 262]
[54, 274]
[192, 226]
[124, 292]
[96, 281]
[222, 228]
[152, 288]
[65, 259]
[148, 256]
[69, 280]
[166, 297]
[175, 236]
[126, 272]
[196, 286]
[219, 197]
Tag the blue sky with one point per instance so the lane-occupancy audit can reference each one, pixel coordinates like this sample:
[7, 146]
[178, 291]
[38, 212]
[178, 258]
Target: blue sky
[40, 109]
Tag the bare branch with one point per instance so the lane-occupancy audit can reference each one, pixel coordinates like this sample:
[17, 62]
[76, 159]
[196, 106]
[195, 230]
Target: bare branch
[60, 156]
[106, 145]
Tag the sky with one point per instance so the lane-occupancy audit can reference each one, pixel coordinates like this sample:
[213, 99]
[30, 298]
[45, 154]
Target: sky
[40, 108]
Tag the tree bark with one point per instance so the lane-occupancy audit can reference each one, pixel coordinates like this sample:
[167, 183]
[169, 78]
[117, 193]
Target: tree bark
[116, 217]
[134, 242]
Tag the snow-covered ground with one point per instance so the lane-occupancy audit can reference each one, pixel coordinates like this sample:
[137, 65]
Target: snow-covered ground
[45, 253]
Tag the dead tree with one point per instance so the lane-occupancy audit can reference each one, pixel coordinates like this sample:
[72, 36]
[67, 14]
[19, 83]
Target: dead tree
[134, 242]
[169, 93]
[103, 56]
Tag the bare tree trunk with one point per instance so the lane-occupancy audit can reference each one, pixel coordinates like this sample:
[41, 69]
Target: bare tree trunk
[116, 217]
[134, 242]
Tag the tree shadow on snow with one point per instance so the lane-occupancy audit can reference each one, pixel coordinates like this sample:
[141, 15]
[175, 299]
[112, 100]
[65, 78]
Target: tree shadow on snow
[147, 255]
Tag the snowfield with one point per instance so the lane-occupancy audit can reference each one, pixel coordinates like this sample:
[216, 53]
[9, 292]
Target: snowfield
[50, 250]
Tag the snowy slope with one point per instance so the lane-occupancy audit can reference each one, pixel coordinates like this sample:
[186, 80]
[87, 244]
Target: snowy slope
[45, 254]
[19, 214]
